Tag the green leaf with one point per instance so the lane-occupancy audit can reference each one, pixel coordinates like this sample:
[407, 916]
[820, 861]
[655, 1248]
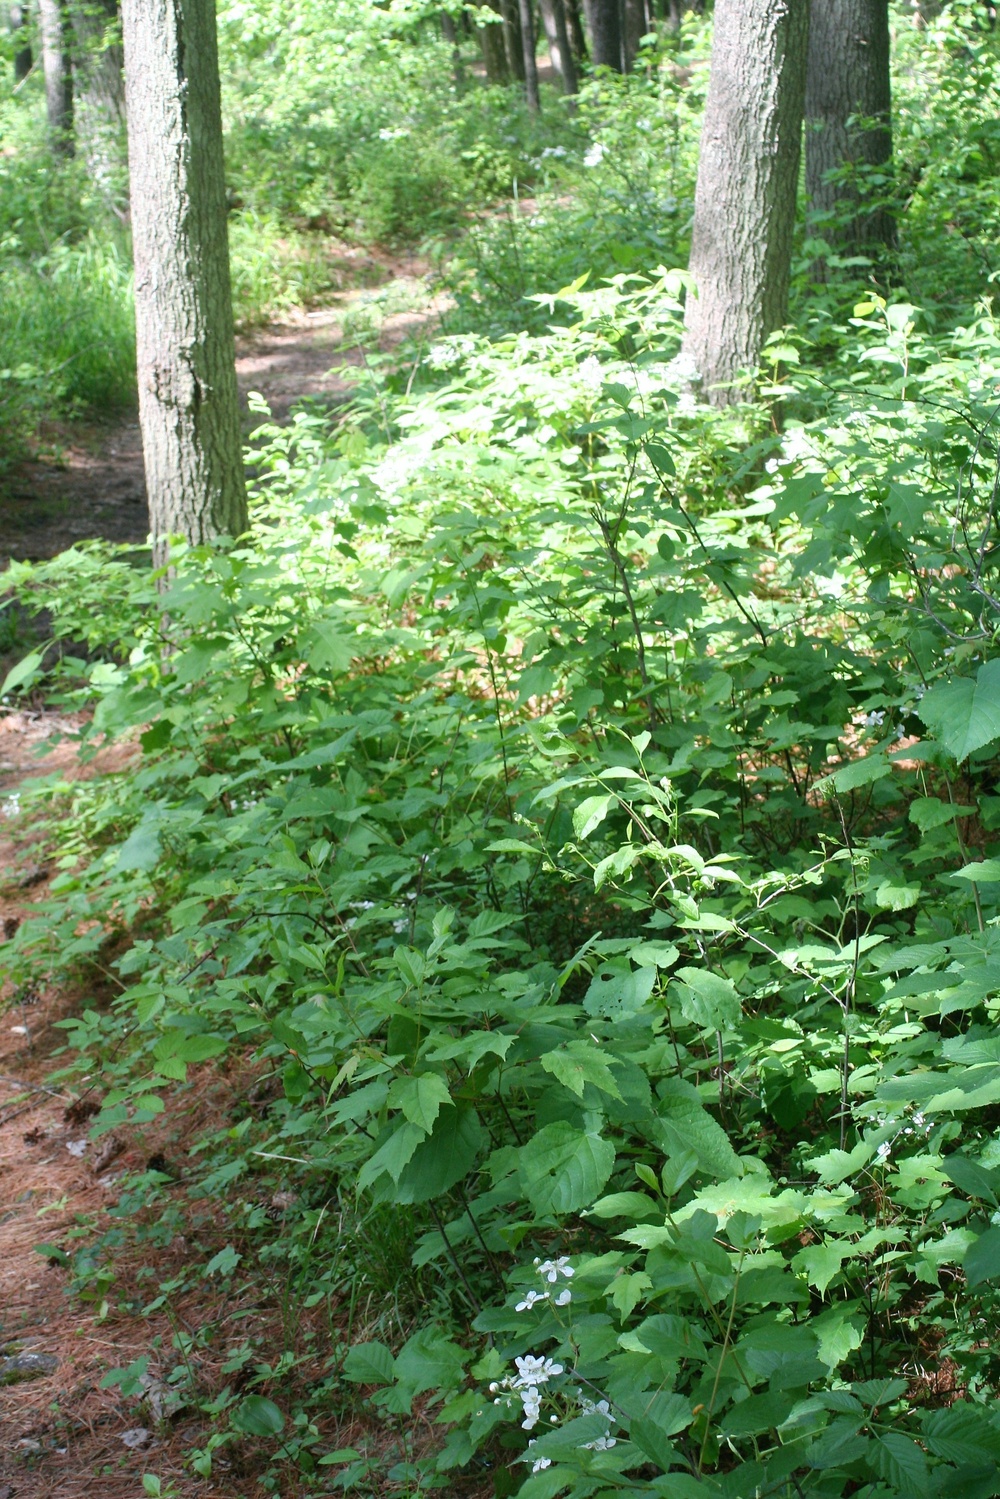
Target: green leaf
[983, 872]
[443, 1158]
[708, 999]
[982, 1258]
[141, 849]
[651, 1432]
[258, 1417]
[369, 1363]
[223, 1263]
[616, 993]
[420, 1098]
[324, 646]
[591, 813]
[392, 1156]
[562, 1168]
[684, 1125]
[580, 1063]
[899, 1460]
[23, 673]
[963, 1434]
[969, 1177]
[964, 712]
[856, 773]
[891, 896]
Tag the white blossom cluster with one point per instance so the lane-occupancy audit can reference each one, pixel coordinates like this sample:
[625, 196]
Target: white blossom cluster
[599, 1444]
[919, 1125]
[550, 1271]
[532, 1372]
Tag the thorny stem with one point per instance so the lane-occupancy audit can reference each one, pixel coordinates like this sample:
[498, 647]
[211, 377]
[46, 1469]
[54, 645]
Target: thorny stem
[454, 1258]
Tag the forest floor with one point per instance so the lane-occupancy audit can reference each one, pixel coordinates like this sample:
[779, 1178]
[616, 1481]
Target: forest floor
[61, 1434]
[88, 479]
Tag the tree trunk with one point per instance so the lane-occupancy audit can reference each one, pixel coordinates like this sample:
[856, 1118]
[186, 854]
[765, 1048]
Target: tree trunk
[606, 34]
[188, 400]
[58, 71]
[17, 19]
[530, 59]
[512, 41]
[633, 30]
[848, 76]
[557, 35]
[449, 32]
[744, 214]
[574, 26]
[492, 44]
[97, 59]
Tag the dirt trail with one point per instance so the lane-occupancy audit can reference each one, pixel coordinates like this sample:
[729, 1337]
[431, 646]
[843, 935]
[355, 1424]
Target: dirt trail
[96, 486]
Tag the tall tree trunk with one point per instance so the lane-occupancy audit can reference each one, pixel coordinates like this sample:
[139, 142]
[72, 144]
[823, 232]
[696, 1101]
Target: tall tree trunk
[606, 34]
[58, 70]
[98, 62]
[17, 19]
[556, 34]
[744, 214]
[449, 32]
[188, 400]
[530, 59]
[492, 44]
[574, 25]
[848, 76]
[513, 43]
[634, 28]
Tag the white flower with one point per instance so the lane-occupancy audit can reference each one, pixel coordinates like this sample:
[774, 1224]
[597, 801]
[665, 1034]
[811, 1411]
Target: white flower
[565, 1297]
[884, 1151]
[594, 156]
[532, 1402]
[533, 1370]
[918, 1119]
[530, 1299]
[590, 372]
[12, 805]
[600, 1444]
[551, 1270]
[594, 1407]
[873, 720]
[537, 1463]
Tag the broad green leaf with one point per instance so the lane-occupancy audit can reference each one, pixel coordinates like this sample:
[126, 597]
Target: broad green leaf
[856, 773]
[965, 1434]
[982, 1258]
[443, 1158]
[591, 813]
[899, 1460]
[392, 1156]
[23, 673]
[369, 1363]
[420, 1098]
[983, 872]
[258, 1417]
[707, 999]
[325, 646]
[616, 993]
[964, 712]
[685, 1125]
[141, 849]
[579, 1063]
[891, 896]
[969, 1177]
[562, 1168]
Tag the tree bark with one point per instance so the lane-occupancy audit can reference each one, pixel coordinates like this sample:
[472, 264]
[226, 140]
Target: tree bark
[98, 62]
[449, 32]
[491, 43]
[634, 28]
[560, 51]
[848, 81]
[606, 34]
[17, 19]
[744, 214]
[574, 26]
[58, 70]
[188, 400]
[512, 41]
[530, 59]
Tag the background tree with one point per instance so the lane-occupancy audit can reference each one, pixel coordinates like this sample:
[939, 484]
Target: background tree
[491, 43]
[605, 21]
[848, 125]
[17, 19]
[574, 25]
[553, 14]
[188, 401]
[530, 60]
[512, 38]
[745, 196]
[58, 69]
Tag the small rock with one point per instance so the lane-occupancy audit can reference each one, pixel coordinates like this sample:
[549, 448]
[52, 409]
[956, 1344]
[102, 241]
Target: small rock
[137, 1436]
[28, 1444]
[110, 1150]
[27, 1366]
[163, 1401]
[19, 1030]
[77, 1147]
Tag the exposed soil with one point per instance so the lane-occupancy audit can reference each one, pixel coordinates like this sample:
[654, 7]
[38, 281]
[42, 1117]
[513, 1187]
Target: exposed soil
[91, 482]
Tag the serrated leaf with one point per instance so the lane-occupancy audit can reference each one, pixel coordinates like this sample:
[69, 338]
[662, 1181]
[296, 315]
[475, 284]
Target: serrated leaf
[983, 872]
[420, 1098]
[856, 773]
[963, 1434]
[562, 1168]
[964, 712]
[369, 1363]
[707, 999]
[899, 1460]
[616, 993]
[441, 1159]
[580, 1063]
[969, 1177]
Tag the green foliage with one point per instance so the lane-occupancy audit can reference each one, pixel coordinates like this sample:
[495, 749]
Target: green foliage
[542, 801]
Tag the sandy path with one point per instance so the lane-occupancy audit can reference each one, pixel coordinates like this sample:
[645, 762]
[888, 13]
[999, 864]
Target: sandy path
[97, 487]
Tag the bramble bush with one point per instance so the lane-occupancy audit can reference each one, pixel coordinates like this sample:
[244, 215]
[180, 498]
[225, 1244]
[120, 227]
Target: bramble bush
[580, 804]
